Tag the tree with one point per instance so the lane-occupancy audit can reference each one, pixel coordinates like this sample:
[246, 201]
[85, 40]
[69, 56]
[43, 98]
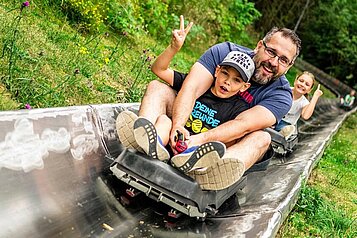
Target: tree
[328, 31]
[330, 38]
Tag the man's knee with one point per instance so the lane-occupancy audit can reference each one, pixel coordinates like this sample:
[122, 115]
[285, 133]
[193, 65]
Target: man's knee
[156, 87]
[162, 91]
[261, 138]
[256, 138]
[158, 99]
[261, 159]
[164, 119]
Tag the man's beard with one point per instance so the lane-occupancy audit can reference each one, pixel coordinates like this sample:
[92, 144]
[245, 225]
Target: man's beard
[258, 76]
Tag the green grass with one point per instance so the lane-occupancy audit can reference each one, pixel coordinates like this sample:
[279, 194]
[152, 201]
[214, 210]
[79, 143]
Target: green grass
[6, 103]
[327, 206]
[48, 63]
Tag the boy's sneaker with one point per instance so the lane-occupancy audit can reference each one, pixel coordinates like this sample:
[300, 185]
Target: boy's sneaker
[124, 125]
[287, 131]
[146, 137]
[199, 157]
[220, 175]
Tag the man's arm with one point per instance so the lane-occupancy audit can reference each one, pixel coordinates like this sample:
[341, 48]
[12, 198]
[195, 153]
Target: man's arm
[253, 119]
[197, 82]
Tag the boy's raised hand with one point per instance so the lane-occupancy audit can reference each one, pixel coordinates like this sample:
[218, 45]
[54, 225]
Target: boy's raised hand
[179, 36]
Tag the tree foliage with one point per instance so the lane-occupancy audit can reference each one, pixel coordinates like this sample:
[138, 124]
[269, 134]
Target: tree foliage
[328, 32]
[213, 20]
[280, 13]
[330, 38]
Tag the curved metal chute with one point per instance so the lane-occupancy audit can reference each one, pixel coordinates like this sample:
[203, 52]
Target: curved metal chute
[55, 179]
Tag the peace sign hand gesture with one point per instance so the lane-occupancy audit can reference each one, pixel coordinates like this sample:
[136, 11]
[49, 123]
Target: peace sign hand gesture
[179, 36]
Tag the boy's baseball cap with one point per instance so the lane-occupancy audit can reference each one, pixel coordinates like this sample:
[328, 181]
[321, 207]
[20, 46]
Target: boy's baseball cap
[241, 62]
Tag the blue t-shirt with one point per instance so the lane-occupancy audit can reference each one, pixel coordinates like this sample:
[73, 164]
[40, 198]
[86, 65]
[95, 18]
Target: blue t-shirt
[276, 95]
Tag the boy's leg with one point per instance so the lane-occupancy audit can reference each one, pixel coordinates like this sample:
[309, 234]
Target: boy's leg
[147, 138]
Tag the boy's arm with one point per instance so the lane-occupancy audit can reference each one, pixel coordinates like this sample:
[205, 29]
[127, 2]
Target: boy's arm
[161, 65]
[198, 81]
[351, 101]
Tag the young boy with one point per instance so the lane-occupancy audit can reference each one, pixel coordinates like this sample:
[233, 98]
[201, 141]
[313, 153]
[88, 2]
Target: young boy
[217, 105]
[348, 100]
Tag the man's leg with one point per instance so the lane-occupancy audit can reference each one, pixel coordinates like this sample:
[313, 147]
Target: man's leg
[158, 100]
[250, 148]
[239, 157]
[124, 125]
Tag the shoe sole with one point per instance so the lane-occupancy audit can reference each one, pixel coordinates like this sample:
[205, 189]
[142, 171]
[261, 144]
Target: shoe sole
[124, 125]
[287, 131]
[146, 137]
[204, 156]
[220, 175]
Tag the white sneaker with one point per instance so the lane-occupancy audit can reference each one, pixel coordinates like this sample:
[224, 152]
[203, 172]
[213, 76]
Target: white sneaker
[287, 131]
[146, 137]
[220, 175]
[199, 156]
[125, 129]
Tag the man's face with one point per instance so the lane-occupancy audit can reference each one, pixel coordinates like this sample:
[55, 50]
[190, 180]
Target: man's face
[268, 68]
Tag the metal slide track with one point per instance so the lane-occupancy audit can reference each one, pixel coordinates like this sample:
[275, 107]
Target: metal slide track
[55, 179]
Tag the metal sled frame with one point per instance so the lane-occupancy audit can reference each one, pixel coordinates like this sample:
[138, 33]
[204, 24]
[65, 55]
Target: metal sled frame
[280, 144]
[163, 183]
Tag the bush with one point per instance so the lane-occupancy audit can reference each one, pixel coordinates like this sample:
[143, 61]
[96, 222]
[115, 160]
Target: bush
[220, 20]
[90, 14]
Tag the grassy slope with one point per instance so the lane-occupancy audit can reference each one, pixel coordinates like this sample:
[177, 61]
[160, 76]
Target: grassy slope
[47, 51]
[327, 207]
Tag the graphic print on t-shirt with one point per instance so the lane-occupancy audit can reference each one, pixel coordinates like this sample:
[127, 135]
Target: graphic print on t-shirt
[202, 118]
[246, 96]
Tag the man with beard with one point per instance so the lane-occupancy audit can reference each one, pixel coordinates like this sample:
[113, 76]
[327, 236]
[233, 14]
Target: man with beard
[269, 99]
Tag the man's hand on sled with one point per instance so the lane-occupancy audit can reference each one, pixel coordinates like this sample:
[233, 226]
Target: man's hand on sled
[196, 140]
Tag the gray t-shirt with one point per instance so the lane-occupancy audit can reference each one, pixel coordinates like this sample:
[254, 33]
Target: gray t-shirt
[295, 111]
